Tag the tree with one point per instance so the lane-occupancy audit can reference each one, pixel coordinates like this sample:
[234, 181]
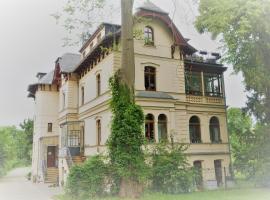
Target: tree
[242, 139]
[244, 28]
[78, 18]
[126, 139]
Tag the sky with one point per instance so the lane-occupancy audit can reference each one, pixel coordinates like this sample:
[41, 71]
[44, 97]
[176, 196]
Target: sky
[31, 41]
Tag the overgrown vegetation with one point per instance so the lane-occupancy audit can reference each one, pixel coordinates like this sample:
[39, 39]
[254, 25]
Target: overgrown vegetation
[171, 172]
[15, 146]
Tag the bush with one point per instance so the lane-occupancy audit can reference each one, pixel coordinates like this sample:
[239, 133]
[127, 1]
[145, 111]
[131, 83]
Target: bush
[91, 179]
[170, 171]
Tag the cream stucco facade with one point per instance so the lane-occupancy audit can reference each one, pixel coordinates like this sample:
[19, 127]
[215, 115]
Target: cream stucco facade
[77, 101]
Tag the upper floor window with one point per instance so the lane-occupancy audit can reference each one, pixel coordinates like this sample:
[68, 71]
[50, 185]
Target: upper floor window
[193, 83]
[64, 100]
[195, 130]
[82, 95]
[214, 130]
[149, 127]
[50, 127]
[99, 38]
[98, 82]
[150, 78]
[162, 127]
[148, 35]
[213, 85]
[98, 124]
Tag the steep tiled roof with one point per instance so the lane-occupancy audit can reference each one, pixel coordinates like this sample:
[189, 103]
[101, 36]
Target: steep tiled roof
[148, 5]
[68, 62]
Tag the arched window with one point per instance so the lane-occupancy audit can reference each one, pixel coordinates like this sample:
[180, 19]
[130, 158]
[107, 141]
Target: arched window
[162, 127]
[198, 174]
[98, 84]
[149, 127]
[195, 130]
[214, 130]
[98, 124]
[150, 78]
[148, 35]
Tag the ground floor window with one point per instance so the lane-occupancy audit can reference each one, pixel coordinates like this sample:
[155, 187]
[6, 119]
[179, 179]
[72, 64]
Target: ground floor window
[198, 174]
[149, 127]
[218, 172]
[162, 127]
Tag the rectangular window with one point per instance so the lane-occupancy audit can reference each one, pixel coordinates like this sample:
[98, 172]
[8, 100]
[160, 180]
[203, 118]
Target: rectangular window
[213, 85]
[193, 82]
[98, 84]
[91, 45]
[98, 132]
[64, 101]
[150, 78]
[82, 95]
[99, 38]
[50, 127]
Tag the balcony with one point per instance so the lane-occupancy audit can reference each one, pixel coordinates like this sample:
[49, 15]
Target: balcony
[72, 137]
[205, 100]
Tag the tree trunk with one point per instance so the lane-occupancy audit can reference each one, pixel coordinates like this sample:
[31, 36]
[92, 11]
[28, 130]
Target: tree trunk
[130, 189]
[127, 62]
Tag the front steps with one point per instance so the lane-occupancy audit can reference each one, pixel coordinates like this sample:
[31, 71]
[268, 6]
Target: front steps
[52, 175]
[77, 160]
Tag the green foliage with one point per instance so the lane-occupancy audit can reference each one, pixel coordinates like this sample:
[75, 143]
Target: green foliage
[242, 140]
[92, 179]
[78, 18]
[171, 172]
[126, 139]
[245, 31]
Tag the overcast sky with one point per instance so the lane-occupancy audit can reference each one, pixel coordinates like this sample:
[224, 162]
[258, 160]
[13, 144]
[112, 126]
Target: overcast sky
[30, 42]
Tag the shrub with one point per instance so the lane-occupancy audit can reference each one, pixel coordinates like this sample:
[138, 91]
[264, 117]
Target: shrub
[170, 171]
[89, 180]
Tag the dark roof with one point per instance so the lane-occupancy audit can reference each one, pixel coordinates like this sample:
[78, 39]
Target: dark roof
[108, 28]
[153, 94]
[68, 62]
[47, 79]
[149, 6]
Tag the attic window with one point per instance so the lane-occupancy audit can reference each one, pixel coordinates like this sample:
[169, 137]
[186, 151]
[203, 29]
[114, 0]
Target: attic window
[91, 45]
[148, 35]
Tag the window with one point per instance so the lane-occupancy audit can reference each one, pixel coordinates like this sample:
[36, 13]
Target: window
[91, 45]
[49, 127]
[82, 95]
[98, 84]
[150, 78]
[218, 172]
[84, 54]
[98, 124]
[213, 85]
[149, 127]
[74, 138]
[193, 83]
[214, 130]
[148, 35]
[64, 101]
[98, 38]
[162, 127]
[194, 130]
[198, 174]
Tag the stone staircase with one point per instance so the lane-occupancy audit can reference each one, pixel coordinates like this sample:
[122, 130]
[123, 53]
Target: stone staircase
[52, 175]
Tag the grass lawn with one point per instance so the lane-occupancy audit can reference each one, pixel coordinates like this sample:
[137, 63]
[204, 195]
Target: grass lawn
[234, 194]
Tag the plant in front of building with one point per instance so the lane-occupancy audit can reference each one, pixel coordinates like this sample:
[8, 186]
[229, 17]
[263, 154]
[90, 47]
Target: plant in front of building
[89, 180]
[126, 139]
[171, 172]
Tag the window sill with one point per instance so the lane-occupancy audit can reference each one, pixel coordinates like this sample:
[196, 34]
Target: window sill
[150, 45]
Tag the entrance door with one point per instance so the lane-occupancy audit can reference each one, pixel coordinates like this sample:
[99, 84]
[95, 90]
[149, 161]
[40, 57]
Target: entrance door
[218, 172]
[51, 156]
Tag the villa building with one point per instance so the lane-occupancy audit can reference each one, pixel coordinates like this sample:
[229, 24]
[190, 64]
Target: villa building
[180, 89]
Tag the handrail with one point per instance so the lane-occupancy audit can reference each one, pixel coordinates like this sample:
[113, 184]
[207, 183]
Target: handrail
[69, 158]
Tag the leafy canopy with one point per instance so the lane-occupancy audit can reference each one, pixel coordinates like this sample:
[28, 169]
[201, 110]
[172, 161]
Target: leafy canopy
[245, 31]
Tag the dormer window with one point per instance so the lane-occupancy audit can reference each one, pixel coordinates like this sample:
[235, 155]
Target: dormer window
[148, 35]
